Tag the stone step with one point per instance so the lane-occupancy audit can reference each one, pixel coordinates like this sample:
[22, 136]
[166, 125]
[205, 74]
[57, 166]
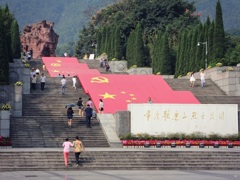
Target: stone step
[122, 160]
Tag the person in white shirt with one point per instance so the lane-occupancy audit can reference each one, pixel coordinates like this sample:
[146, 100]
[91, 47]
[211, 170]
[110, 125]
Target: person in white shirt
[32, 73]
[63, 83]
[37, 71]
[202, 77]
[74, 80]
[101, 106]
[43, 80]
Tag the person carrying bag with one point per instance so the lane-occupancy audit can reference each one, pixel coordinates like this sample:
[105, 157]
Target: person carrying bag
[78, 148]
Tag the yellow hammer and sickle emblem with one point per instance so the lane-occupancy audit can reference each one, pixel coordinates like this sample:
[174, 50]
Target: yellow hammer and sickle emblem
[99, 79]
[55, 64]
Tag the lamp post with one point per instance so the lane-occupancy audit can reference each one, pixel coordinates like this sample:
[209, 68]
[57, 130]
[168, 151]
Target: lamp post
[206, 52]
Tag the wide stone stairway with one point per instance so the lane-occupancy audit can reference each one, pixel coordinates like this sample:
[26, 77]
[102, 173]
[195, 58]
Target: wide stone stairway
[132, 159]
[211, 94]
[38, 136]
[44, 120]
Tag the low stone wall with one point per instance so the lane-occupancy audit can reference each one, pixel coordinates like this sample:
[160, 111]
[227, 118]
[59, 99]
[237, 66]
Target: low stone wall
[118, 66]
[142, 71]
[17, 101]
[5, 123]
[18, 72]
[228, 81]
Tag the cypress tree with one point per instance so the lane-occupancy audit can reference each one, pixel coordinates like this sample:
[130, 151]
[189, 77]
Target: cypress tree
[139, 47]
[99, 41]
[103, 40]
[109, 43]
[16, 45]
[193, 49]
[4, 63]
[200, 56]
[165, 58]
[177, 69]
[156, 61]
[183, 53]
[187, 58]
[130, 49]
[8, 19]
[107, 40]
[210, 44]
[219, 35]
[118, 44]
[180, 64]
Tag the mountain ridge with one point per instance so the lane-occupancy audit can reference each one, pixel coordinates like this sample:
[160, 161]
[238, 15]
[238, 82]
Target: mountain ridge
[70, 16]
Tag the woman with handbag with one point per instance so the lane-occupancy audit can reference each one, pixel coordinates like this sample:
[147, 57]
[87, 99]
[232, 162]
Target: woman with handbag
[78, 148]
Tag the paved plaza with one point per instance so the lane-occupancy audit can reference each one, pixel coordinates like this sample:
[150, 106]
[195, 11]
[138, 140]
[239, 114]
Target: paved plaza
[121, 175]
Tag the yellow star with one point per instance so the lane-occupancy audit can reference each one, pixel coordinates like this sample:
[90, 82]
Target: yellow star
[123, 92]
[55, 71]
[108, 96]
[128, 101]
[134, 98]
[131, 95]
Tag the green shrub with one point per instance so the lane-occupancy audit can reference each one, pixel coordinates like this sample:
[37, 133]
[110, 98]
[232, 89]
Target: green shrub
[18, 83]
[6, 107]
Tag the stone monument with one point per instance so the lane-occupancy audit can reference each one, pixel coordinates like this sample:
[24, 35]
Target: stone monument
[40, 39]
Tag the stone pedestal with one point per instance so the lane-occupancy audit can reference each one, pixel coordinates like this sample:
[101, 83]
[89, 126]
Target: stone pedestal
[25, 76]
[4, 123]
[123, 122]
[118, 66]
[17, 101]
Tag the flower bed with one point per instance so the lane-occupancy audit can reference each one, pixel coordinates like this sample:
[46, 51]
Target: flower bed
[5, 141]
[139, 143]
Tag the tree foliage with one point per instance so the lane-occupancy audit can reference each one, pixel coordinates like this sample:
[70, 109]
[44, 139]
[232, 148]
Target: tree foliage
[138, 22]
[9, 42]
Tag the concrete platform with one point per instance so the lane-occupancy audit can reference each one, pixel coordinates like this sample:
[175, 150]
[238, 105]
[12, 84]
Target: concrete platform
[121, 175]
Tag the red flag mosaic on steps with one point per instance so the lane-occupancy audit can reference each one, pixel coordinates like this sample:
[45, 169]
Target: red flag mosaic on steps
[117, 90]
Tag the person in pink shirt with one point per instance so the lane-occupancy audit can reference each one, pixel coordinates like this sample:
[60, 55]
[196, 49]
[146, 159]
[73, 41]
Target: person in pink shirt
[66, 149]
[90, 103]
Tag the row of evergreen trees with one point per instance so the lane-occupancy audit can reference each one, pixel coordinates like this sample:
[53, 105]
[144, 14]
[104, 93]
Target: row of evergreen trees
[209, 37]
[10, 46]
[168, 45]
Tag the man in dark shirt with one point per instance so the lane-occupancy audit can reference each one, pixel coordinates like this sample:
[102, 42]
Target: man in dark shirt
[88, 113]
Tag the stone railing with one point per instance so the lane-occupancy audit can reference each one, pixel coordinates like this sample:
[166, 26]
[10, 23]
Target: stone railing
[118, 66]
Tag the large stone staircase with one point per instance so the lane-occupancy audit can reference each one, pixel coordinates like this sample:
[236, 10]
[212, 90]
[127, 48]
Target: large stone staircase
[44, 124]
[211, 94]
[44, 121]
[132, 159]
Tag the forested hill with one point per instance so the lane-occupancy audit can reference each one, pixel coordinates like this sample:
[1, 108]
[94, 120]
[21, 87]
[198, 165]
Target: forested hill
[70, 16]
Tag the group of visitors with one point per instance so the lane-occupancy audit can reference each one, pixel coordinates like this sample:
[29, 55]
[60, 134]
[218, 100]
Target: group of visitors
[35, 77]
[78, 148]
[202, 78]
[64, 82]
[28, 55]
[86, 110]
[104, 64]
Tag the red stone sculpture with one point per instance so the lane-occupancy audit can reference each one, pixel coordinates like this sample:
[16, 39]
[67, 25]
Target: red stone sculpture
[40, 39]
